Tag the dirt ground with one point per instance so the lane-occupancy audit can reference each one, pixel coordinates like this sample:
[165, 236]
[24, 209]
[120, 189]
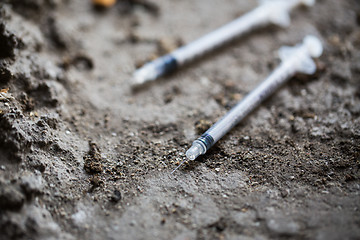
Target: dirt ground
[83, 156]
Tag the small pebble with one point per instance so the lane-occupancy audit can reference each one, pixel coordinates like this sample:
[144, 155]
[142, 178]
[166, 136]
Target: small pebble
[283, 226]
[116, 196]
[284, 193]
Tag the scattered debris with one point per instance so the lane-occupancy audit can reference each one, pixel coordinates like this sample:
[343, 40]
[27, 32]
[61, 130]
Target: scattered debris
[104, 3]
[4, 95]
[80, 61]
[202, 125]
[167, 45]
[169, 95]
[93, 160]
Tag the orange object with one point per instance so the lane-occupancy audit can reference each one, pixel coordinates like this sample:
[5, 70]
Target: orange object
[104, 3]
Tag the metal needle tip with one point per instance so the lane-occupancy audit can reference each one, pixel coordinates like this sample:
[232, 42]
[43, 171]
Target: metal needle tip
[178, 166]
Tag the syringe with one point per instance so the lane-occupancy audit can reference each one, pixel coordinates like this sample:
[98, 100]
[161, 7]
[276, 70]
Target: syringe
[269, 12]
[297, 59]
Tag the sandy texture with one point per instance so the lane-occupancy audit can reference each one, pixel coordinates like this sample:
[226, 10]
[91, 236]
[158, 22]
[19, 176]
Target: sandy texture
[82, 156]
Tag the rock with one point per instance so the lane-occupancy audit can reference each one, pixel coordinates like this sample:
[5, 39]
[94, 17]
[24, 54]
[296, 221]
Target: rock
[283, 226]
[321, 132]
[51, 120]
[93, 160]
[11, 198]
[31, 184]
[298, 125]
[36, 163]
[233, 181]
[284, 193]
[8, 42]
[40, 222]
[79, 217]
[201, 216]
[116, 196]
[5, 75]
[246, 217]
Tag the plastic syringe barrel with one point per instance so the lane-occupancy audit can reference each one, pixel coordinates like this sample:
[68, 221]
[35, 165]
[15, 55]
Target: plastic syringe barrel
[220, 36]
[251, 101]
[294, 59]
[276, 12]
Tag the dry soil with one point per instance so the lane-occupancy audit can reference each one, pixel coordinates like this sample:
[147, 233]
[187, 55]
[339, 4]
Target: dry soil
[83, 156]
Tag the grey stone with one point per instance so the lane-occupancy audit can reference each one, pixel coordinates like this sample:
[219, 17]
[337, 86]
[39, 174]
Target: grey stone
[283, 226]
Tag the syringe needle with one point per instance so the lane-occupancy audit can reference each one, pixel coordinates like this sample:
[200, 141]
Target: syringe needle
[294, 59]
[179, 166]
[269, 12]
